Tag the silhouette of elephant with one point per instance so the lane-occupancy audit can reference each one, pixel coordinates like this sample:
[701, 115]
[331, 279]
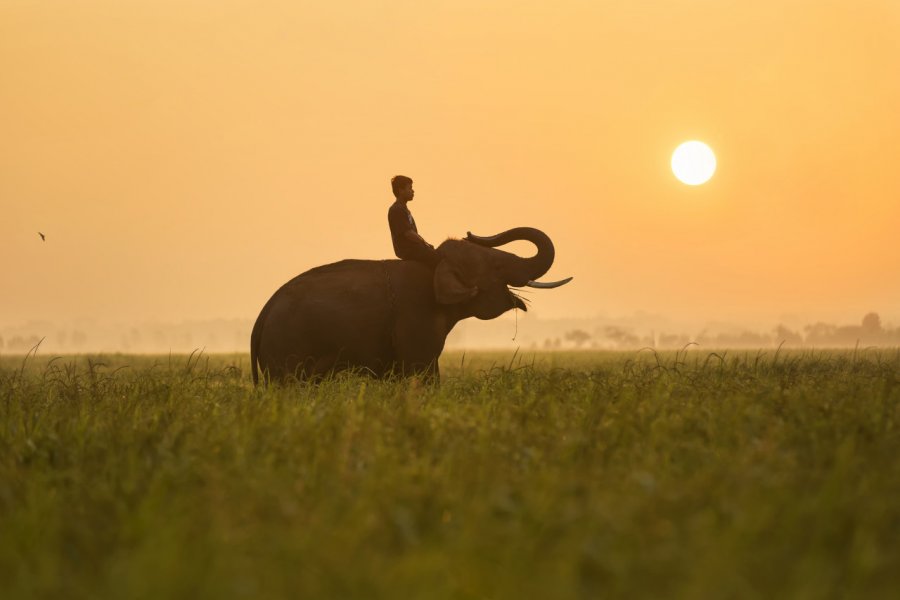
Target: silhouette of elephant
[391, 317]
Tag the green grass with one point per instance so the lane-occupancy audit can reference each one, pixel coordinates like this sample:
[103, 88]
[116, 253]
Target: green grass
[580, 475]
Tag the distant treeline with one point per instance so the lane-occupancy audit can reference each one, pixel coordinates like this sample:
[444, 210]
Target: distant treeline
[233, 335]
[213, 335]
[870, 332]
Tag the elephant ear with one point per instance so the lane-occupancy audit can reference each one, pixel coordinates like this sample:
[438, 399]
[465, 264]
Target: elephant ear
[449, 288]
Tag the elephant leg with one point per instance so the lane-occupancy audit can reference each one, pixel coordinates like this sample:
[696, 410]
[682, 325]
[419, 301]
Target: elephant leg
[418, 348]
[295, 367]
[433, 375]
[429, 372]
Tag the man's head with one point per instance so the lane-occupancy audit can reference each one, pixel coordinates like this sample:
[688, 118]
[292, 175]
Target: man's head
[402, 186]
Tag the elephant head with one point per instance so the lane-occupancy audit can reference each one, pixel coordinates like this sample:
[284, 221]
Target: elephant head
[475, 276]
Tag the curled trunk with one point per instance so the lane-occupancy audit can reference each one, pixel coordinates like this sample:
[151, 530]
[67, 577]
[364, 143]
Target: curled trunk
[522, 270]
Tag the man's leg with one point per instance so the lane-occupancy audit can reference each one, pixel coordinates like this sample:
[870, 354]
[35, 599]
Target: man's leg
[425, 255]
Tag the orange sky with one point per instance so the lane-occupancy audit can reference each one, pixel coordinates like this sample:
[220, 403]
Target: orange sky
[185, 158]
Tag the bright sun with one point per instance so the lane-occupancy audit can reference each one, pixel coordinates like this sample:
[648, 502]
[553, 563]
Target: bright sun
[693, 162]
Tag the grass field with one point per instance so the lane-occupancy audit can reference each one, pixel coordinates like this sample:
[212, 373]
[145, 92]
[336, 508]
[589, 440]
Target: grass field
[581, 475]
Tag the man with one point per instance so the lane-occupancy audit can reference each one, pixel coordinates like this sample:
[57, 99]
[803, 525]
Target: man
[408, 244]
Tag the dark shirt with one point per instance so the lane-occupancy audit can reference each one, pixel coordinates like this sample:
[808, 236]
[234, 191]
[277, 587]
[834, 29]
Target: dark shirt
[401, 221]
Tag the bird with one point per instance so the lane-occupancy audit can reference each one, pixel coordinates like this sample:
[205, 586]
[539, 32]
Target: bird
[43, 239]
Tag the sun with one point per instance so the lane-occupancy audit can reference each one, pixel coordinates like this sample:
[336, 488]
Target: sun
[693, 162]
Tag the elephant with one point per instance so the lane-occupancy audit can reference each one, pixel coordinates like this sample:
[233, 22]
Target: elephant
[391, 317]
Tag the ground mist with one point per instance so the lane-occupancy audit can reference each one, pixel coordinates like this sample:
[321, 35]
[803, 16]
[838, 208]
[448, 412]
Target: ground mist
[688, 474]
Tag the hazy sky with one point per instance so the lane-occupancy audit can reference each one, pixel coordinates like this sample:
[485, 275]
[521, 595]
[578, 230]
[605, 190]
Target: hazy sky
[185, 158]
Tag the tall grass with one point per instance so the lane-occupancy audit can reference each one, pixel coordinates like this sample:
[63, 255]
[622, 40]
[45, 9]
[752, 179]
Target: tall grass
[686, 475]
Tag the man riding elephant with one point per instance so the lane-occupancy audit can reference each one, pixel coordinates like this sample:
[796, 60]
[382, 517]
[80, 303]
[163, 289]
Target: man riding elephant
[392, 317]
[408, 244]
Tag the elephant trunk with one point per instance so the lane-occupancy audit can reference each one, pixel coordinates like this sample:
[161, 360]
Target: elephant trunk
[522, 270]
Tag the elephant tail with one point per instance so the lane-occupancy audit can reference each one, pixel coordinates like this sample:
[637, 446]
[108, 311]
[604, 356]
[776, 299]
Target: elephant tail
[255, 338]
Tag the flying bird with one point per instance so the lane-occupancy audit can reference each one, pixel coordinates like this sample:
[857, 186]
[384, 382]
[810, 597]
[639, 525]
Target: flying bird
[43, 239]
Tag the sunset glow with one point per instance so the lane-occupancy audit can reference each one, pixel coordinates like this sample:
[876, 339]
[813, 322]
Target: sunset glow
[184, 158]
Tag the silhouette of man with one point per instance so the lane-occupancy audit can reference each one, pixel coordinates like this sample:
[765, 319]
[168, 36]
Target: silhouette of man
[408, 244]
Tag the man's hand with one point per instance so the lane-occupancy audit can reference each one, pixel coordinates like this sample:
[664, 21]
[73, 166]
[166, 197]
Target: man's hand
[415, 237]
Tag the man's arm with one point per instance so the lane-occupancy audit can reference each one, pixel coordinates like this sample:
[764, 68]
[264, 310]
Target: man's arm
[401, 226]
[416, 238]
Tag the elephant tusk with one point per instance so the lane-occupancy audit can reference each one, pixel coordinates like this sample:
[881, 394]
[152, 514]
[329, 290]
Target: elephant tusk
[548, 284]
